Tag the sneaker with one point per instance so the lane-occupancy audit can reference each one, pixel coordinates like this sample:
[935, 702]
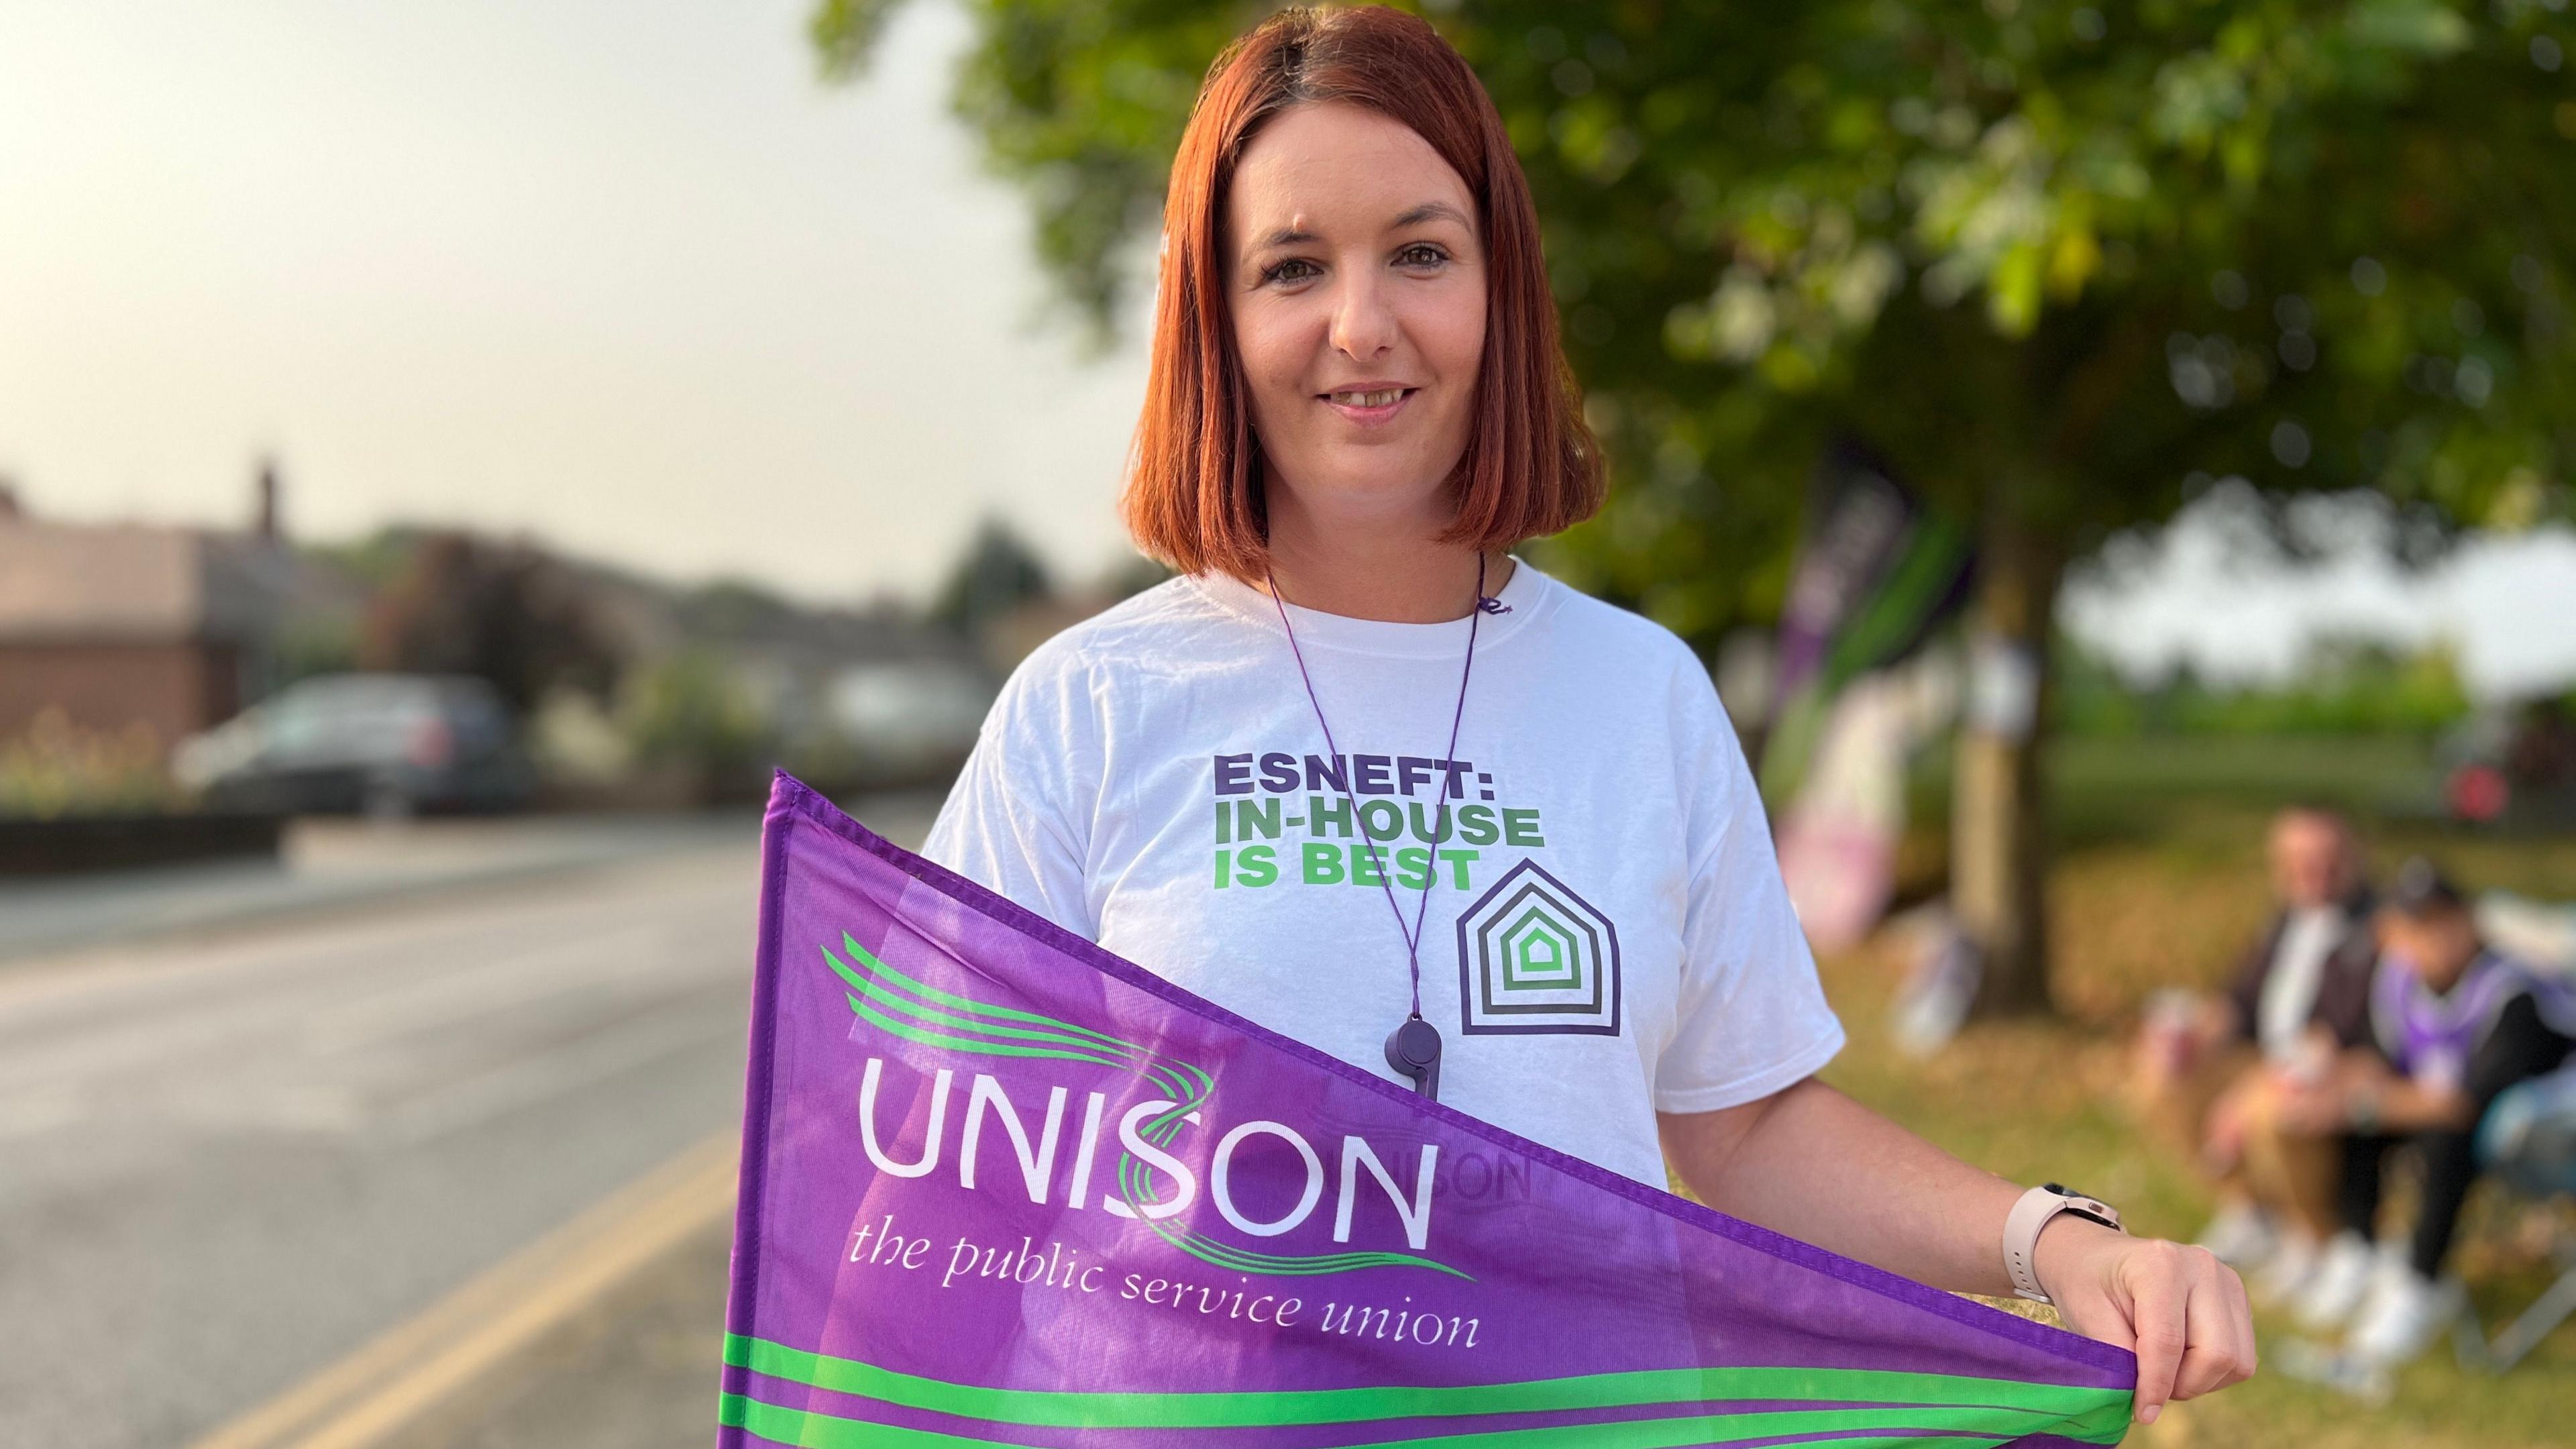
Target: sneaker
[2242, 1235]
[2341, 1281]
[2405, 1314]
[2285, 1276]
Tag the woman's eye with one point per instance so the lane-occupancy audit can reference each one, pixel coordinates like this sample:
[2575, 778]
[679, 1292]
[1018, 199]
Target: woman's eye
[1287, 271]
[1422, 254]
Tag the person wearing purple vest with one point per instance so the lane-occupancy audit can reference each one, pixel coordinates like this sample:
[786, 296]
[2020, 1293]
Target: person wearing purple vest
[2453, 1025]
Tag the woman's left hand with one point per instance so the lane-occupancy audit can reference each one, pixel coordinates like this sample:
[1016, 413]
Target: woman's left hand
[2178, 1308]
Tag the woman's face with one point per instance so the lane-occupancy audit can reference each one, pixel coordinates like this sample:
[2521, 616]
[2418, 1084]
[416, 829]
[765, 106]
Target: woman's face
[1357, 288]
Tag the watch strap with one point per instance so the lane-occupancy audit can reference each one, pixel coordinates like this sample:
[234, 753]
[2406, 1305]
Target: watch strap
[2032, 1213]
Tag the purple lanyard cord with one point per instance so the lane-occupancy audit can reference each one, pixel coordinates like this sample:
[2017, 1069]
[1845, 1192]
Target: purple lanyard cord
[1420, 1061]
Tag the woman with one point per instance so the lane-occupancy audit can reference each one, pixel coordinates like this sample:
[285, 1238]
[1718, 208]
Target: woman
[1359, 768]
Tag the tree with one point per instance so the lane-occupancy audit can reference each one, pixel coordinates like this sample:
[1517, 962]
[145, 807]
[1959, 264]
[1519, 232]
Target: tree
[997, 574]
[504, 612]
[2062, 264]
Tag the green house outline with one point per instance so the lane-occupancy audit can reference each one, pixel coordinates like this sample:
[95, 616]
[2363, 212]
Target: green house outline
[1567, 974]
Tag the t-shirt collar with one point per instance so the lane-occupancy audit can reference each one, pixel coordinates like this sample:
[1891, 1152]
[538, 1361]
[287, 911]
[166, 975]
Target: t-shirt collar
[1521, 597]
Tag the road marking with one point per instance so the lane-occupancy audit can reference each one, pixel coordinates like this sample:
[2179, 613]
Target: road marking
[405, 1371]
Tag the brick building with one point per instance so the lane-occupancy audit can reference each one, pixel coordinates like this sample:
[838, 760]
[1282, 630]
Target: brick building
[119, 624]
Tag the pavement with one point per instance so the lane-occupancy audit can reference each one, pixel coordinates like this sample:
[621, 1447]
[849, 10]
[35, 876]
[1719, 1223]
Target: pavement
[327, 864]
[441, 1163]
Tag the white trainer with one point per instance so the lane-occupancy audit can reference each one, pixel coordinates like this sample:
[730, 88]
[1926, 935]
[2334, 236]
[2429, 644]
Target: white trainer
[2242, 1235]
[2285, 1276]
[2405, 1314]
[2341, 1281]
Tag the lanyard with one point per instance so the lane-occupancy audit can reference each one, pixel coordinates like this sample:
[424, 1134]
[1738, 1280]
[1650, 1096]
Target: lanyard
[1413, 1048]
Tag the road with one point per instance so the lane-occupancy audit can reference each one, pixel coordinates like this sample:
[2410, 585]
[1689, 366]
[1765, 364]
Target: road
[227, 1158]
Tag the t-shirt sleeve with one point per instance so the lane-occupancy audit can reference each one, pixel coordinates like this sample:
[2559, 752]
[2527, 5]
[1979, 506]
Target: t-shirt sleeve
[1752, 1017]
[1018, 820]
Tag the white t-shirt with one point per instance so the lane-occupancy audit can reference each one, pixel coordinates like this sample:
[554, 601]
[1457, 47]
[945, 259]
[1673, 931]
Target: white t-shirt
[2289, 993]
[1606, 934]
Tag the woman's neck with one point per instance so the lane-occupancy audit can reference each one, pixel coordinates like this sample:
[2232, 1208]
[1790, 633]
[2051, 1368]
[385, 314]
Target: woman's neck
[1393, 575]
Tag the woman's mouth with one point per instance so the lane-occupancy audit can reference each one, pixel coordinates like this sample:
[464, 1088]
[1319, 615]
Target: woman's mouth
[1370, 407]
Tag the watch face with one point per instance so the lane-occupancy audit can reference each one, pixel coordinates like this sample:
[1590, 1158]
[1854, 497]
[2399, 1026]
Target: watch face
[2108, 1217]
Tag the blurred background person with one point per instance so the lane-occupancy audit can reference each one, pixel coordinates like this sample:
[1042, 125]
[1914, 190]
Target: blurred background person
[2453, 1025]
[2211, 1069]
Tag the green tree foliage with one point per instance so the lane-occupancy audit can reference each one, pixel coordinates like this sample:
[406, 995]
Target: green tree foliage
[691, 710]
[2054, 261]
[997, 573]
[2345, 686]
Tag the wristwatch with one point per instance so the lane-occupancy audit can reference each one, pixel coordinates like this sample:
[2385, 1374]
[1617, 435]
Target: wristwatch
[2028, 1216]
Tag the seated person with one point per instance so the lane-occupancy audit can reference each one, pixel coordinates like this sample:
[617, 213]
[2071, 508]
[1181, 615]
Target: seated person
[2453, 1024]
[2209, 1069]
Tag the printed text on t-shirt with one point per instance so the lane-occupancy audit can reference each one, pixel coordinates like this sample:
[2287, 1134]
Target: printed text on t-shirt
[1343, 805]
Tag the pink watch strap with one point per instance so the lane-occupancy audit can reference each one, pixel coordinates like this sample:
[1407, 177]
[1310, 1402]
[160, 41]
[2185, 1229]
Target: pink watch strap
[2021, 1234]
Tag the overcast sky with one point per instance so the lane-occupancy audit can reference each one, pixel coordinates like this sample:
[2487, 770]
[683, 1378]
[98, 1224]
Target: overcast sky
[624, 274]
[627, 276]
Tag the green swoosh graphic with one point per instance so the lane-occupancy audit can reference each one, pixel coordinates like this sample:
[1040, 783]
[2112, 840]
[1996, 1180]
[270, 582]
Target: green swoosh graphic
[916, 1011]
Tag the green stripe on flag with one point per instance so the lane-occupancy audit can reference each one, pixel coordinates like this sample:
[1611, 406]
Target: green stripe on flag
[1919, 1401]
[1897, 1428]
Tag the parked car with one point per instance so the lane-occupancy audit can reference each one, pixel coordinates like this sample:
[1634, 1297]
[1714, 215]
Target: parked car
[378, 744]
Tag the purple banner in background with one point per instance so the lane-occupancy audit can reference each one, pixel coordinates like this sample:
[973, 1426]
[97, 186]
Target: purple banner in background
[1001, 1187]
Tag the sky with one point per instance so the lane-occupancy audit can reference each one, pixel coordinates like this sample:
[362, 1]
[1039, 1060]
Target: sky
[629, 277]
[626, 275]
[2196, 594]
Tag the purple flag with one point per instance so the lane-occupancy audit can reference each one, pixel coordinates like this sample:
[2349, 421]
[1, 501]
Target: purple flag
[1000, 1186]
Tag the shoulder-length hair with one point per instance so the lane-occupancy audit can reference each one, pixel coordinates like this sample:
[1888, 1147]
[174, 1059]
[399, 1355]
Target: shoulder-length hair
[1194, 494]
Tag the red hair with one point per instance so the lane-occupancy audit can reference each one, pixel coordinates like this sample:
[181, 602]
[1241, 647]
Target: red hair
[1531, 466]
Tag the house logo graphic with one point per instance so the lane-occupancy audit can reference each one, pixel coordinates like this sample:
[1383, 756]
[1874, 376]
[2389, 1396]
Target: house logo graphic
[1534, 958]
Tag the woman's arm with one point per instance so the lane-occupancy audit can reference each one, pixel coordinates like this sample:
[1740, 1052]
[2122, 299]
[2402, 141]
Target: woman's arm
[1813, 1163]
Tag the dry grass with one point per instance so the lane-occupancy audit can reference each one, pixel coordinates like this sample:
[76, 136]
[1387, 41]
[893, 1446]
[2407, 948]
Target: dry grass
[2038, 1100]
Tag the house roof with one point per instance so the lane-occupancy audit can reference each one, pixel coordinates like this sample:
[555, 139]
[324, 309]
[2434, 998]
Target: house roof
[63, 583]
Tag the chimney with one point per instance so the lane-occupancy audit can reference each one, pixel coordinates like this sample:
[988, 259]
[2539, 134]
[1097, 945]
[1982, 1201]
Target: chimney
[268, 525]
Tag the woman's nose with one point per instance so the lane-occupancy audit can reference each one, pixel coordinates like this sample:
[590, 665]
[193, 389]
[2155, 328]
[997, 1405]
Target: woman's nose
[1363, 324]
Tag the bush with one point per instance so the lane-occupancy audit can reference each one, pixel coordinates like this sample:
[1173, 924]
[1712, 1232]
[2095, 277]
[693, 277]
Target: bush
[2344, 687]
[689, 711]
[59, 768]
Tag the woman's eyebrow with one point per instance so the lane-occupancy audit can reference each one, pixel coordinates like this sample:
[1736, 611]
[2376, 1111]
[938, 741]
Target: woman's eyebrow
[1426, 211]
[1412, 216]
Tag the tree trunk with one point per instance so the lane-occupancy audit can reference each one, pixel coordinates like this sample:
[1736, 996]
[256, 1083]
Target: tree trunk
[1998, 820]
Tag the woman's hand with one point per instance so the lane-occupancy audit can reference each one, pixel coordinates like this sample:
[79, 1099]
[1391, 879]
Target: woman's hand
[2178, 1308]
[1819, 1166]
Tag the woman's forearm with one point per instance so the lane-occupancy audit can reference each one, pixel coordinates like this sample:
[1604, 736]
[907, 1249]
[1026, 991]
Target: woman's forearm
[1811, 1162]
